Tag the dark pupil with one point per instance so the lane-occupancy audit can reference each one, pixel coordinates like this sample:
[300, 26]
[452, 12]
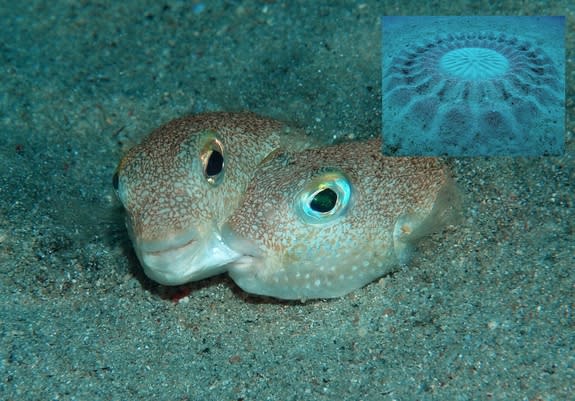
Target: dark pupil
[324, 201]
[116, 181]
[215, 164]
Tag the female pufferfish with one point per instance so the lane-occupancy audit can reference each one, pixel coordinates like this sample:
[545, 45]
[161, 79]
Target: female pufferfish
[179, 185]
[323, 222]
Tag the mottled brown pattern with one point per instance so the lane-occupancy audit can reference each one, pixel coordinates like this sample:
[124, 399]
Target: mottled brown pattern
[302, 260]
[162, 177]
[173, 212]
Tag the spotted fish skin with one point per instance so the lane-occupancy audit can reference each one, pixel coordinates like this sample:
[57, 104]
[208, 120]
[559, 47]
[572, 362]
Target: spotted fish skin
[294, 252]
[180, 184]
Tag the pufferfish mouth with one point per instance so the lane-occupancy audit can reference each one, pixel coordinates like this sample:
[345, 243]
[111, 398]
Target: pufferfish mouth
[243, 246]
[166, 251]
[184, 257]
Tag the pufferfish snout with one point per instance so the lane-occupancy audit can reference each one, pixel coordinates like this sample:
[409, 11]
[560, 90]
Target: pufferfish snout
[323, 222]
[182, 182]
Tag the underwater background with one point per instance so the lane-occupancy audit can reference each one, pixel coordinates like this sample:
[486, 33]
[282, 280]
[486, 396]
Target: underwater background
[483, 311]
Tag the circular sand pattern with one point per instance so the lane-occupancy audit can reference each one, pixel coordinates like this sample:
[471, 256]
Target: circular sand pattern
[474, 63]
[469, 90]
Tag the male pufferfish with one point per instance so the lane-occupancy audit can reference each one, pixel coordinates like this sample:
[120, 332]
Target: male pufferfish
[183, 180]
[323, 222]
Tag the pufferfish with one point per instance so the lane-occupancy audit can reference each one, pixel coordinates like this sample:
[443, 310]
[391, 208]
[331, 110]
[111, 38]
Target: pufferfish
[181, 183]
[323, 222]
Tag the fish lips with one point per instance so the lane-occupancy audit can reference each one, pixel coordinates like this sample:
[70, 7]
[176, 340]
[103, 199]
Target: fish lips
[248, 269]
[243, 246]
[251, 254]
[185, 257]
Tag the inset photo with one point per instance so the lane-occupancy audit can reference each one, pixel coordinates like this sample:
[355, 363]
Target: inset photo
[473, 86]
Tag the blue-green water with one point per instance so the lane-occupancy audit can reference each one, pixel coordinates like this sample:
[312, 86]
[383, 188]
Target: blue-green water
[483, 311]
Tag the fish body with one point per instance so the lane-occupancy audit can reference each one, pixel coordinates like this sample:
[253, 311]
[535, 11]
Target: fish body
[182, 182]
[322, 222]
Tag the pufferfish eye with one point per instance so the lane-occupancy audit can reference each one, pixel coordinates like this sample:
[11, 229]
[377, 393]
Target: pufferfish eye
[323, 201]
[212, 158]
[116, 181]
[324, 198]
[119, 188]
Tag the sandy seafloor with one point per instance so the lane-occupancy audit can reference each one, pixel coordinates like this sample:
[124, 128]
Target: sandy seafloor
[485, 311]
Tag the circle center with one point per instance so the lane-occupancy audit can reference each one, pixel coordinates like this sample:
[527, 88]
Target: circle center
[474, 63]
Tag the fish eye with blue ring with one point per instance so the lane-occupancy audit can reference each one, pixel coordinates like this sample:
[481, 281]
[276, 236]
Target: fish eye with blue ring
[212, 157]
[324, 199]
